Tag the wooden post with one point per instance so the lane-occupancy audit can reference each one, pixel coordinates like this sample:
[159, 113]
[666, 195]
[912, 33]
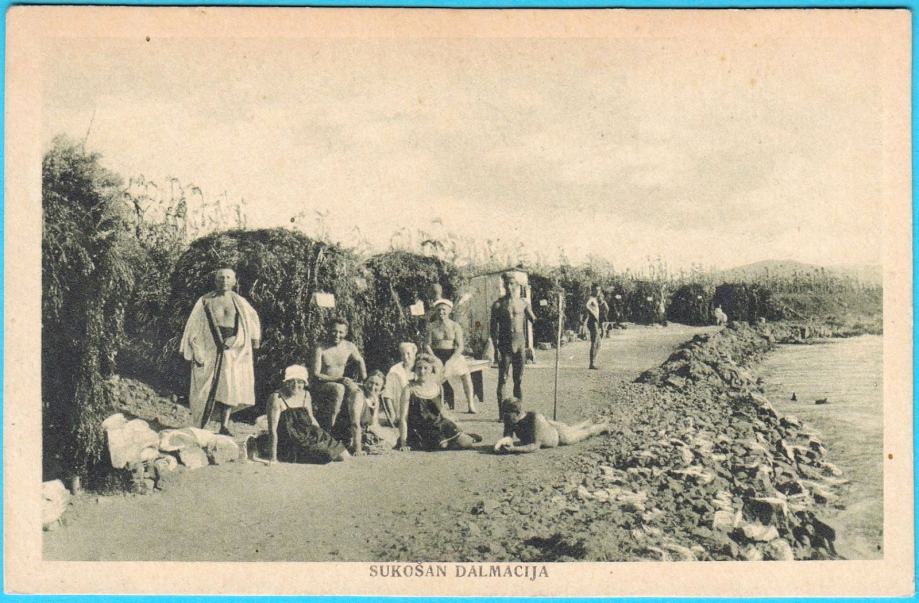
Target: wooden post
[558, 348]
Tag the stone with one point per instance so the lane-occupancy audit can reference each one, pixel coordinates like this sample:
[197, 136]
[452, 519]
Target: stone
[832, 469]
[193, 457]
[202, 437]
[172, 440]
[223, 449]
[149, 454]
[682, 552]
[769, 510]
[116, 421]
[779, 550]
[759, 532]
[55, 498]
[127, 441]
[724, 521]
[584, 493]
[751, 553]
[484, 507]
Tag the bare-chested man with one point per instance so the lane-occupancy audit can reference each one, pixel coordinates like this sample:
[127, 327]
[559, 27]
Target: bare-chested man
[535, 431]
[329, 384]
[218, 340]
[508, 322]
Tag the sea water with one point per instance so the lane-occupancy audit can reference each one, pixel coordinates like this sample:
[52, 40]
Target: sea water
[848, 373]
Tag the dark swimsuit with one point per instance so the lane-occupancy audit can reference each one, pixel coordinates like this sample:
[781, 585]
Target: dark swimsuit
[342, 428]
[299, 441]
[227, 332]
[428, 429]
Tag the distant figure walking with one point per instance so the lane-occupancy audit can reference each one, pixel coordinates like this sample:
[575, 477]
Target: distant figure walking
[720, 317]
[508, 323]
[594, 324]
[219, 338]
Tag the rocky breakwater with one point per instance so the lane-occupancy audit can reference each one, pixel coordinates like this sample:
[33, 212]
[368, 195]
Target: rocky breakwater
[751, 480]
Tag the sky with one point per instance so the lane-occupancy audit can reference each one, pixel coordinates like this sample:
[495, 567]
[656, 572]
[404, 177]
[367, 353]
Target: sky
[719, 151]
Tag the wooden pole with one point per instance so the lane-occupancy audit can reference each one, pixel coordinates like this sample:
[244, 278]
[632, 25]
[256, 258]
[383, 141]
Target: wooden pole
[558, 348]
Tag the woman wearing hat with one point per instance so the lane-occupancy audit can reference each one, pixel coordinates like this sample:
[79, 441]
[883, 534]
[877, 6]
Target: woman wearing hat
[444, 339]
[294, 434]
[423, 425]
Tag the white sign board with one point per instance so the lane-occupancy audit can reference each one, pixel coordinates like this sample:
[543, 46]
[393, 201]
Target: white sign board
[417, 309]
[325, 300]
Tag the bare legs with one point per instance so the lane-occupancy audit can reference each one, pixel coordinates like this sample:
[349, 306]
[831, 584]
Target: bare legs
[572, 434]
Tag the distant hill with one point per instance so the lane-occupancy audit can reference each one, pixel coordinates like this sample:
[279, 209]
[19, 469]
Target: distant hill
[868, 274]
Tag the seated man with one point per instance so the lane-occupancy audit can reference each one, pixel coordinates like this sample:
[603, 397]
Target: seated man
[328, 383]
[535, 431]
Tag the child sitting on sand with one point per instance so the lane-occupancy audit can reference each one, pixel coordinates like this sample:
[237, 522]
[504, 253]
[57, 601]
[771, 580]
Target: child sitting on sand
[535, 431]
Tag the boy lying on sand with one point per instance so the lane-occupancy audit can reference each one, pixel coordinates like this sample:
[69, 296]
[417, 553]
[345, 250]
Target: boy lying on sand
[535, 431]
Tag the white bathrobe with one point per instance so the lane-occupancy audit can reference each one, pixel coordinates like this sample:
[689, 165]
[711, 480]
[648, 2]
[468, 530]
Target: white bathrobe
[236, 387]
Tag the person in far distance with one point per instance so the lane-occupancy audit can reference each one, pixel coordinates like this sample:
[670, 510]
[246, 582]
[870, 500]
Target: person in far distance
[594, 324]
[508, 334]
[444, 339]
[396, 379]
[535, 431]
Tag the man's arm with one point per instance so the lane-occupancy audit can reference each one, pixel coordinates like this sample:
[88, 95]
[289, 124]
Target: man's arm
[529, 312]
[493, 325]
[361, 365]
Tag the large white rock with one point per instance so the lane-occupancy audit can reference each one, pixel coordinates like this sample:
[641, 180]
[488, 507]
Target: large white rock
[127, 441]
[203, 437]
[116, 421]
[172, 440]
[223, 449]
[193, 458]
[55, 498]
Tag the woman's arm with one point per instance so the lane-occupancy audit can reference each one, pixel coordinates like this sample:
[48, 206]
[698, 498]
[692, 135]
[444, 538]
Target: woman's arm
[274, 416]
[459, 343]
[403, 419]
[355, 408]
[308, 405]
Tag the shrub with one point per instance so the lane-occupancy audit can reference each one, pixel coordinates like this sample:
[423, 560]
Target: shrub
[746, 302]
[398, 279]
[639, 308]
[545, 287]
[85, 282]
[278, 271]
[691, 305]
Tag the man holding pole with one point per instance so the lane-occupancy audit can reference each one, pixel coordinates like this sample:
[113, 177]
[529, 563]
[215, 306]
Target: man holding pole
[508, 334]
[219, 338]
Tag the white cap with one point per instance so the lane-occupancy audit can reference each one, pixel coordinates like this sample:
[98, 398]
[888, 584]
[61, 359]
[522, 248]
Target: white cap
[296, 371]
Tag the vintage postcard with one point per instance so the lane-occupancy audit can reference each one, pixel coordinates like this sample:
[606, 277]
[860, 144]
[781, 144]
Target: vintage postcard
[458, 302]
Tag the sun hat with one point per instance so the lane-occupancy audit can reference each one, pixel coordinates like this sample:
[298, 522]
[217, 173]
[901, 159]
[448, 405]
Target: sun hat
[444, 302]
[296, 371]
